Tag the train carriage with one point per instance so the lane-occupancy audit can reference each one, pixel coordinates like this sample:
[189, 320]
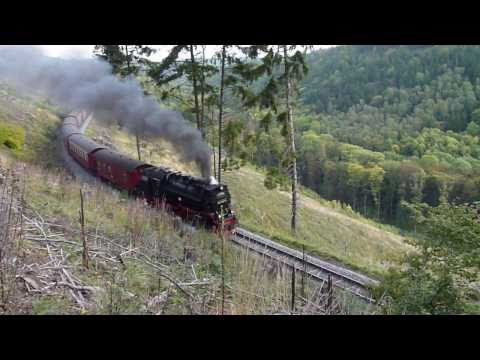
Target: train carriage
[82, 149]
[119, 169]
[68, 130]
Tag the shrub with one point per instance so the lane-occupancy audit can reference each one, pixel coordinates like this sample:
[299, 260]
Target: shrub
[12, 136]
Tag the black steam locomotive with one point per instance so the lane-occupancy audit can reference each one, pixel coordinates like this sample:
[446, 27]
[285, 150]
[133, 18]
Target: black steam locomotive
[195, 200]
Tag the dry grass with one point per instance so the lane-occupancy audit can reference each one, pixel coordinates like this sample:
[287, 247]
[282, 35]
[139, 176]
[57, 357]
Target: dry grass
[141, 260]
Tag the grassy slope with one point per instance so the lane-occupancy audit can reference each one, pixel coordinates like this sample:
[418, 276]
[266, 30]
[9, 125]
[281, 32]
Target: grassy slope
[324, 230]
[321, 228]
[56, 198]
[324, 227]
[251, 287]
[38, 119]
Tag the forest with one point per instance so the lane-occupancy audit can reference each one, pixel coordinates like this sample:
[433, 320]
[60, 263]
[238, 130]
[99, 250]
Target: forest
[378, 126]
[375, 126]
[401, 123]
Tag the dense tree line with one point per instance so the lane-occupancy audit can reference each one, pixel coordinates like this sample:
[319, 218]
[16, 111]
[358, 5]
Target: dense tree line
[415, 107]
[433, 167]
[379, 125]
[346, 75]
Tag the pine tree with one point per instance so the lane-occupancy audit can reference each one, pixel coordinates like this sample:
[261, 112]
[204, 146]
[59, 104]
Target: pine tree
[220, 111]
[125, 59]
[281, 67]
[172, 68]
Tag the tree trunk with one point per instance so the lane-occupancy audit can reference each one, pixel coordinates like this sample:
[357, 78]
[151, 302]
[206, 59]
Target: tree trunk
[138, 146]
[292, 305]
[379, 204]
[128, 59]
[365, 204]
[136, 133]
[354, 200]
[213, 142]
[202, 94]
[288, 90]
[304, 271]
[222, 236]
[391, 206]
[195, 90]
[220, 117]
[84, 234]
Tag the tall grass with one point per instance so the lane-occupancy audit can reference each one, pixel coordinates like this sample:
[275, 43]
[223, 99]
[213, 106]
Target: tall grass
[136, 252]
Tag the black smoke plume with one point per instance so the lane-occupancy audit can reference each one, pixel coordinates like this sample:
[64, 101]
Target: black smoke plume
[88, 84]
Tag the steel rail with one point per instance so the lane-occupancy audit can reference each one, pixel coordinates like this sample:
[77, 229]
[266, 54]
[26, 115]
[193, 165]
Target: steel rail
[320, 270]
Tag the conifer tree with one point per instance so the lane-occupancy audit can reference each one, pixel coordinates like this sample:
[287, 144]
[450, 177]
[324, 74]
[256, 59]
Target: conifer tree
[172, 68]
[281, 67]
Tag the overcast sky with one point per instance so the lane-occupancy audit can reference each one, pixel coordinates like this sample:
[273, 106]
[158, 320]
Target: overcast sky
[67, 51]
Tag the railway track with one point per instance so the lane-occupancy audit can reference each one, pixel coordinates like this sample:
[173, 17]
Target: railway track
[315, 268]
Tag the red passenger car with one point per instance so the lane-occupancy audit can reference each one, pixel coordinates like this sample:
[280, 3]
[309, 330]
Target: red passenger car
[81, 148]
[118, 169]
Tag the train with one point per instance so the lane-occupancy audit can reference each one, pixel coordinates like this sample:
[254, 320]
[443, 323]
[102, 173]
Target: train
[197, 201]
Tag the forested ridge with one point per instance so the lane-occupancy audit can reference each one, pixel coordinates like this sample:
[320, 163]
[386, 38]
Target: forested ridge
[386, 124]
[375, 125]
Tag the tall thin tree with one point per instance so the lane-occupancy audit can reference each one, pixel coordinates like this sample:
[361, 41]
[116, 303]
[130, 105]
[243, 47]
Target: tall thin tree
[277, 67]
[129, 71]
[195, 89]
[202, 94]
[220, 113]
[291, 136]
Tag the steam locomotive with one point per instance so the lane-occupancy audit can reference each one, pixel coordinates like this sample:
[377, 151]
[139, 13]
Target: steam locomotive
[195, 200]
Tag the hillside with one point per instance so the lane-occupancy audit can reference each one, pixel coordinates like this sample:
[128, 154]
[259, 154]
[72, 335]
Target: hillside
[345, 76]
[140, 260]
[378, 128]
[325, 228]
[383, 140]
[381, 126]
